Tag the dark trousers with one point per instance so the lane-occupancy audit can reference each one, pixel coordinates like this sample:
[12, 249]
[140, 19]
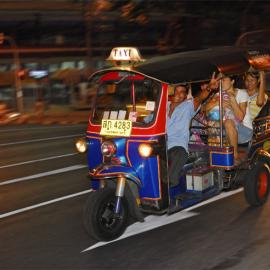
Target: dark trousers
[177, 159]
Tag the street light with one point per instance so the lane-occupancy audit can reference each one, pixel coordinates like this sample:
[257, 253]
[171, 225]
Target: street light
[16, 59]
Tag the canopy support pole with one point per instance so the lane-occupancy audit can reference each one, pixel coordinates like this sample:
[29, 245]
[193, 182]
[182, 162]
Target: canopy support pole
[133, 97]
[220, 114]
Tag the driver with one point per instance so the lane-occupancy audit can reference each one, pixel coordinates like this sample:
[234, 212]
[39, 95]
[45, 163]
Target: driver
[180, 111]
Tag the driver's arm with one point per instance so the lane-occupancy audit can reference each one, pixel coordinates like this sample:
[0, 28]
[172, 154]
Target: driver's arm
[200, 98]
[213, 84]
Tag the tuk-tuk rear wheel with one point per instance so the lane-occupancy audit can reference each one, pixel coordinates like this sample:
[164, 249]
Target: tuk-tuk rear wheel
[99, 219]
[257, 184]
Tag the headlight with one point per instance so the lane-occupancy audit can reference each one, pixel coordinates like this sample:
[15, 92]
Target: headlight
[81, 145]
[145, 150]
[108, 148]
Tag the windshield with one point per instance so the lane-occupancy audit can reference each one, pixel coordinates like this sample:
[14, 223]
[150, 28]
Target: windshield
[129, 97]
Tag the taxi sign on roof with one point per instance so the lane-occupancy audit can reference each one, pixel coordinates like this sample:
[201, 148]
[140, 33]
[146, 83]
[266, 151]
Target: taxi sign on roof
[125, 54]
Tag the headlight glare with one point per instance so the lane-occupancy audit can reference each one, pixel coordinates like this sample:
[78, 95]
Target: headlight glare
[145, 150]
[81, 145]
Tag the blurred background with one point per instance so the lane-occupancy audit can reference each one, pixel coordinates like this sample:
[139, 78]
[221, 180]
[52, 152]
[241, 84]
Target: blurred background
[49, 48]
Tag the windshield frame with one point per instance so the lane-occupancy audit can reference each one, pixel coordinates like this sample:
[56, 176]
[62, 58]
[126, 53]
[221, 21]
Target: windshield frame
[119, 77]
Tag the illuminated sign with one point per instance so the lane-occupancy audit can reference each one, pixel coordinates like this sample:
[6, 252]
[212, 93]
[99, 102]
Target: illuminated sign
[38, 74]
[125, 54]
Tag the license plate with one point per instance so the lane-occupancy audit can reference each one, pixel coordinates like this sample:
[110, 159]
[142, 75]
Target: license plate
[116, 127]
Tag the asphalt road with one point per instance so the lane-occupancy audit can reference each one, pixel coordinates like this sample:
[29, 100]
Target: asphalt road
[43, 188]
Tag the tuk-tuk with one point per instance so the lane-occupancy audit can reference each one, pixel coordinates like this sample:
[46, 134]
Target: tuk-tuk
[127, 155]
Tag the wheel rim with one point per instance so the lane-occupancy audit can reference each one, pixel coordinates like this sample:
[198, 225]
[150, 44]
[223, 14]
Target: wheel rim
[107, 219]
[262, 184]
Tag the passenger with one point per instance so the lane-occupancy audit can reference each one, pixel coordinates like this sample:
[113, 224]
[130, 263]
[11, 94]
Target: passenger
[256, 85]
[237, 103]
[180, 112]
[211, 111]
[200, 121]
[234, 104]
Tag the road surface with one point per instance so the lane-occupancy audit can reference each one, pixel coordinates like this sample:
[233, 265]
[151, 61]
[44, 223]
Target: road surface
[43, 188]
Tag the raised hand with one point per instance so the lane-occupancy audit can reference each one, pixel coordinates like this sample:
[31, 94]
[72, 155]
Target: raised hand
[213, 84]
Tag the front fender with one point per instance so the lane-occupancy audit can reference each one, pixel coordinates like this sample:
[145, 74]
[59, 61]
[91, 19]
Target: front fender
[107, 171]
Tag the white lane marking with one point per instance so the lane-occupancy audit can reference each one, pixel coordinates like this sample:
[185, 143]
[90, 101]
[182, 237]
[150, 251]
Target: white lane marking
[36, 160]
[215, 198]
[34, 128]
[153, 222]
[150, 223]
[39, 175]
[41, 140]
[44, 203]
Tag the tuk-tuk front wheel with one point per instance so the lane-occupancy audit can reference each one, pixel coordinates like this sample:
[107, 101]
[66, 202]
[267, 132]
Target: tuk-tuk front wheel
[99, 218]
[257, 184]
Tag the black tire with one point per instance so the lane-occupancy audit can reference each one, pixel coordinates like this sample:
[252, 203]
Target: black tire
[257, 184]
[99, 226]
